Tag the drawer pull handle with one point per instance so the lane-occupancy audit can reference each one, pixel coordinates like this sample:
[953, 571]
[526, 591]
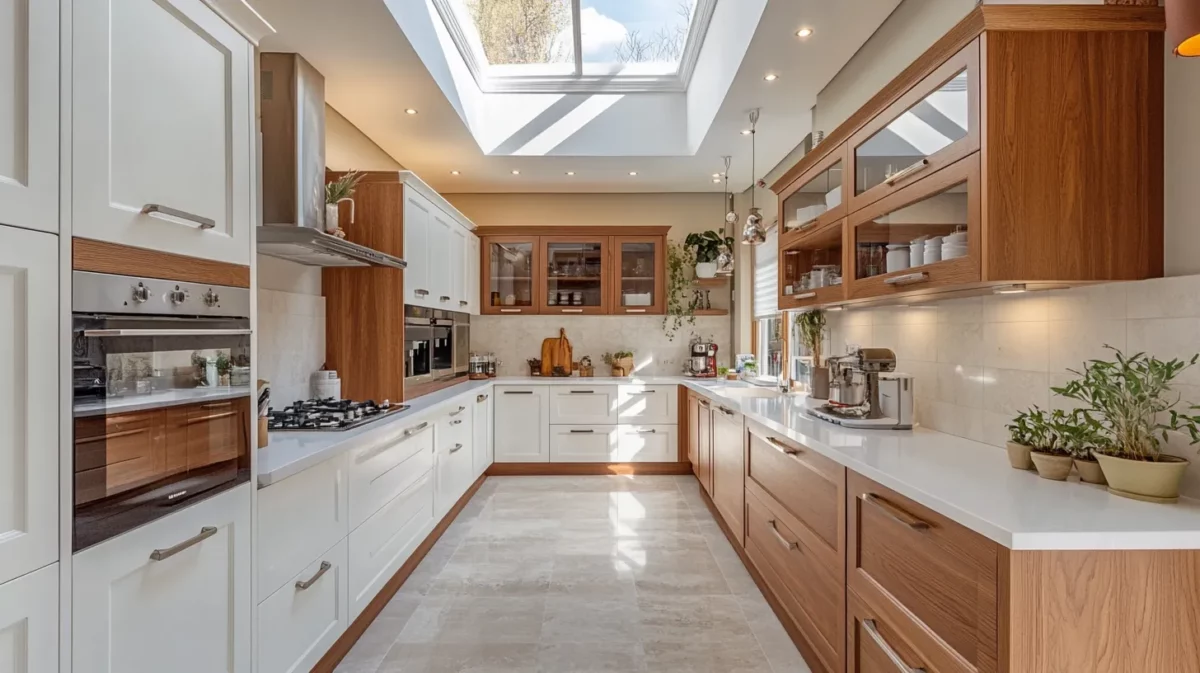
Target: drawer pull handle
[444, 298]
[164, 554]
[462, 302]
[787, 544]
[518, 392]
[421, 293]
[169, 214]
[210, 417]
[804, 295]
[481, 398]
[726, 411]
[368, 455]
[907, 171]
[325, 566]
[456, 448]
[896, 513]
[873, 631]
[458, 411]
[583, 392]
[705, 404]
[642, 392]
[458, 422]
[416, 428]
[646, 432]
[908, 279]
[789, 450]
[582, 432]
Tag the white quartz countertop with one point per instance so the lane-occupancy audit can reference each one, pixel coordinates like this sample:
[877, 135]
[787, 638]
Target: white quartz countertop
[966, 481]
[157, 399]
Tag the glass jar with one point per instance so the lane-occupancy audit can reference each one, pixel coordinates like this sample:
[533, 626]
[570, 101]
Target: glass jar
[477, 367]
[491, 365]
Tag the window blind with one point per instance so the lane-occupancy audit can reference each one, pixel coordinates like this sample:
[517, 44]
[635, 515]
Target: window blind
[766, 276]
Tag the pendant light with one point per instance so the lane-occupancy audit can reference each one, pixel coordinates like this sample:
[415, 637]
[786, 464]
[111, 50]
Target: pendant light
[1183, 27]
[755, 231]
[724, 254]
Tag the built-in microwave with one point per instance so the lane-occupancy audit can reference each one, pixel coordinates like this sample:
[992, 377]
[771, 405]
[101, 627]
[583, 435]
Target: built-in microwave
[162, 398]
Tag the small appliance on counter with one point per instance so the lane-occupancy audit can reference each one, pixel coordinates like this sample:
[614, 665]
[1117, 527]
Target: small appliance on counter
[326, 384]
[704, 360]
[330, 414]
[865, 393]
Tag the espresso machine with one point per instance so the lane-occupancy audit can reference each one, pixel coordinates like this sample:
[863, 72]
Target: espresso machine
[865, 392]
[704, 360]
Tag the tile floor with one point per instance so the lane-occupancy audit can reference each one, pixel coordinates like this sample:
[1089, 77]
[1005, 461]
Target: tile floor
[567, 574]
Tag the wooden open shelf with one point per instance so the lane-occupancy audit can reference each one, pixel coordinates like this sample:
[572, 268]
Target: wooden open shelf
[703, 283]
[710, 312]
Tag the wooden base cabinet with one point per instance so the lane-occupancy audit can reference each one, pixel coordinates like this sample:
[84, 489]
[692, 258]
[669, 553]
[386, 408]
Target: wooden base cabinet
[728, 468]
[29, 622]
[701, 431]
[171, 595]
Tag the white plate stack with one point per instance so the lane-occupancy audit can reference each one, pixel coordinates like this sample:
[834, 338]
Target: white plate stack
[955, 245]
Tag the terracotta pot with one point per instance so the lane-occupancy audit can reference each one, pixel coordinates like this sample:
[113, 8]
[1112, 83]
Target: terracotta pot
[1052, 467]
[1144, 479]
[1090, 472]
[1018, 456]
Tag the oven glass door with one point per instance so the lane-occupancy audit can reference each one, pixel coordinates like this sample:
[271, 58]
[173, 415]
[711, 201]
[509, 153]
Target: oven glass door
[443, 350]
[417, 349]
[162, 415]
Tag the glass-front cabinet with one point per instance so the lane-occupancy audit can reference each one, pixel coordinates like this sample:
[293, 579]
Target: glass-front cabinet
[810, 269]
[575, 269]
[924, 236]
[930, 127]
[510, 265]
[817, 201]
[639, 274]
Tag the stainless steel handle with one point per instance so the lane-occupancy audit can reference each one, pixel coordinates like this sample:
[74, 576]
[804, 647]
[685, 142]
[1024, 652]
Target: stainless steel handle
[421, 293]
[873, 631]
[157, 210]
[807, 225]
[642, 392]
[727, 412]
[164, 554]
[462, 302]
[789, 450]
[458, 422]
[804, 295]
[444, 298]
[481, 398]
[510, 310]
[908, 279]
[416, 428]
[787, 544]
[905, 172]
[458, 411]
[163, 332]
[895, 513]
[325, 566]
[456, 448]
[368, 455]
[572, 310]
[635, 310]
[518, 392]
[583, 392]
[647, 432]
[582, 432]
[705, 404]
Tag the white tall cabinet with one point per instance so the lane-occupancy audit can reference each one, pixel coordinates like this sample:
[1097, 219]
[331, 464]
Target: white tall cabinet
[162, 122]
[29, 623]
[29, 62]
[441, 249]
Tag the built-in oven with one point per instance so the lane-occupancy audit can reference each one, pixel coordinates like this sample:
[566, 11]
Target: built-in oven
[418, 345]
[462, 343]
[443, 345]
[162, 402]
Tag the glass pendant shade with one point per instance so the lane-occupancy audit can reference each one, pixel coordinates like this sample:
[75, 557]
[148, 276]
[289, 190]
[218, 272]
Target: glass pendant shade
[755, 232]
[724, 260]
[1183, 27]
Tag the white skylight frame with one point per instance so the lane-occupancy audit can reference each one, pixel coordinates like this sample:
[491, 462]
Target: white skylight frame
[577, 81]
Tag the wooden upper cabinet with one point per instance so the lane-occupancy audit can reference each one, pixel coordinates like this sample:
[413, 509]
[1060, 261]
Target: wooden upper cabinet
[575, 271]
[509, 269]
[933, 125]
[816, 200]
[638, 274]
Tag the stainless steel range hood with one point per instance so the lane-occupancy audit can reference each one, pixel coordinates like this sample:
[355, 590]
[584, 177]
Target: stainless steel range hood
[292, 102]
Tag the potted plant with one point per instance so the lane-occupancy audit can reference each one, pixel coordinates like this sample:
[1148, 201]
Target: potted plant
[620, 363]
[335, 192]
[1132, 400]
[1050, 457]
[680, 261]
[811, 326]
[1020, 441]
[1083, 439]
[708, 248]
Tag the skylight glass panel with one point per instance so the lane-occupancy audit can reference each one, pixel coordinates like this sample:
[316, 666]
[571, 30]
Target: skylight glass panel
[519, 37]
[634, 37]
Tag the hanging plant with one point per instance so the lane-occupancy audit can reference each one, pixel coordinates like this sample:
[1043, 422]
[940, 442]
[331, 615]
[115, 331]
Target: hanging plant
[681, 260]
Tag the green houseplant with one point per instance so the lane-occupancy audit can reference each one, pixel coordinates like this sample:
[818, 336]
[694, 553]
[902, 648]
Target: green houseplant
[1131, 399]
[680, 261]
[337, 191]
[707, 247]
[1021, 439]
[1050, 455]
[811, 328]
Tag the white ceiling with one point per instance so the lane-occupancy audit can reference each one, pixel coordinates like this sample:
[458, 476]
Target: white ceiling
[373, 74]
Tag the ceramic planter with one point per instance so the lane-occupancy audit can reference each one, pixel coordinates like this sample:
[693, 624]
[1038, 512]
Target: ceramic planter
[1050, 466]
[1018, 456]
[706, 270]
[1142, 479]
[1090, 472]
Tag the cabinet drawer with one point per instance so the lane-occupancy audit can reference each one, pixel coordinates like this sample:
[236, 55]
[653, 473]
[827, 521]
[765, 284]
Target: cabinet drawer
[646, 444]
[300, 621]
[582, 443]
[648, 405]
[586, 405]
[299, 518]
[937, 570]
[889, 642]
[810, 589]
[380, 472]
[384, 541]
[808, 485]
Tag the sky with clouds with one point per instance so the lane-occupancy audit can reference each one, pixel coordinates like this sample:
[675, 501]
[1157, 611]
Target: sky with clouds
[606, 23]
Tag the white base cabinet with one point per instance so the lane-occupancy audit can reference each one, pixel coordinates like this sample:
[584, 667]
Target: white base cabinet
[29, 623]
[583, 405]
[186, 613]
[613, 444]
[455, 462]
[643, 404]
[385, 540]
[482, 447]
[299, 622]
[522, 425]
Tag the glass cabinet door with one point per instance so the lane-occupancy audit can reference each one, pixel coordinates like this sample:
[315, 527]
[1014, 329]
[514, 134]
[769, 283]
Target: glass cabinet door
[509, 265]
[931, 127]
[815, 203]
[810, 270]
[639, 279]
[574, 274]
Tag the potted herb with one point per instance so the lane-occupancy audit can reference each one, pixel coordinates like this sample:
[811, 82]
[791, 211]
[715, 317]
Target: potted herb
[708, 248]
[1020, 441]
[1132, 400]
[811, 326]
[620, 363]
[1083, 439]
[1050, 457]
[337, 191]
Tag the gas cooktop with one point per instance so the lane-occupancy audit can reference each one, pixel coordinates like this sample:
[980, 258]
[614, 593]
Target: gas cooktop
[330, 414]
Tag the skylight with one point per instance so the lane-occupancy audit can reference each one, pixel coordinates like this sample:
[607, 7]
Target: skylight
[578, 45]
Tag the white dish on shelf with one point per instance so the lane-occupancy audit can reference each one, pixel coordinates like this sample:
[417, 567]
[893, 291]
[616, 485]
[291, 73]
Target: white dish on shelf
[833, 198]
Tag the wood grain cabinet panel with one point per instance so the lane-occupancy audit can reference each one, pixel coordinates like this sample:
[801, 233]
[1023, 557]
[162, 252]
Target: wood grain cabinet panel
[878, 642]
[216, 431]
[728, 468]
[703, 467]
[693, 430]
[117, 453]
[920, 562]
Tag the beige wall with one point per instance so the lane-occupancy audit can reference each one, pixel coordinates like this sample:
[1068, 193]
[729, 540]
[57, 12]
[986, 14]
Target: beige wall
[347, 148]
[1182, 170]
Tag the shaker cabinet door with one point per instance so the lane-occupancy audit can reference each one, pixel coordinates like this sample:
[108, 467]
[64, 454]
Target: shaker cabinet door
[28, 401]
[522, 424]
[29, 623]
[162, 122]
[417, 220]
[29, 115]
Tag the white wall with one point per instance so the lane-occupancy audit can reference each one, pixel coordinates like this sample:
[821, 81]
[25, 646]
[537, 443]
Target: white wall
[348, 149]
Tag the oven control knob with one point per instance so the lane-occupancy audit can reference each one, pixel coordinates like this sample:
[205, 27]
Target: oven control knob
[141, 293]
[211, 298]
[177, 296]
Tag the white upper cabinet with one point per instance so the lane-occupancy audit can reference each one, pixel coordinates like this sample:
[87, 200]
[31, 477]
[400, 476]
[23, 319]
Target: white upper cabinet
[28, 401]
[162, 125]
[458, 268]
[471, 265]
[29, 114]
[418, 216]
[172, 595]
[441, 233]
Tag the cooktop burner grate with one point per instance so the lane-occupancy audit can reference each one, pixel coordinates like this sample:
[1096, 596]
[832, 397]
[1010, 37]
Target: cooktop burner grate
[329, 414]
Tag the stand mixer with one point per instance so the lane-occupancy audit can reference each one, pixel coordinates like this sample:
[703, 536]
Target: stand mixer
[863, 395]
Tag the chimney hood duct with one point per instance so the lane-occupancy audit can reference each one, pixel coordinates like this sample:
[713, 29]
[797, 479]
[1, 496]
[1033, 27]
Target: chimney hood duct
[292, 103]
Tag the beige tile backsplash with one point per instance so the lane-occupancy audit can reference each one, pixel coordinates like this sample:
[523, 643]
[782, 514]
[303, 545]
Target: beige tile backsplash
[291, 342]
[979, 361]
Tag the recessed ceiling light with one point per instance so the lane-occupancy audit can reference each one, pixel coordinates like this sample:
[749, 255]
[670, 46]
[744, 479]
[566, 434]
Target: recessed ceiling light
[633, 172]
[771, 77]
[410, 111]
[717, 180]
[716, 175]
[804, 32]
[745, 132]
[570, 172]
[454, 173]
[516, 172]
